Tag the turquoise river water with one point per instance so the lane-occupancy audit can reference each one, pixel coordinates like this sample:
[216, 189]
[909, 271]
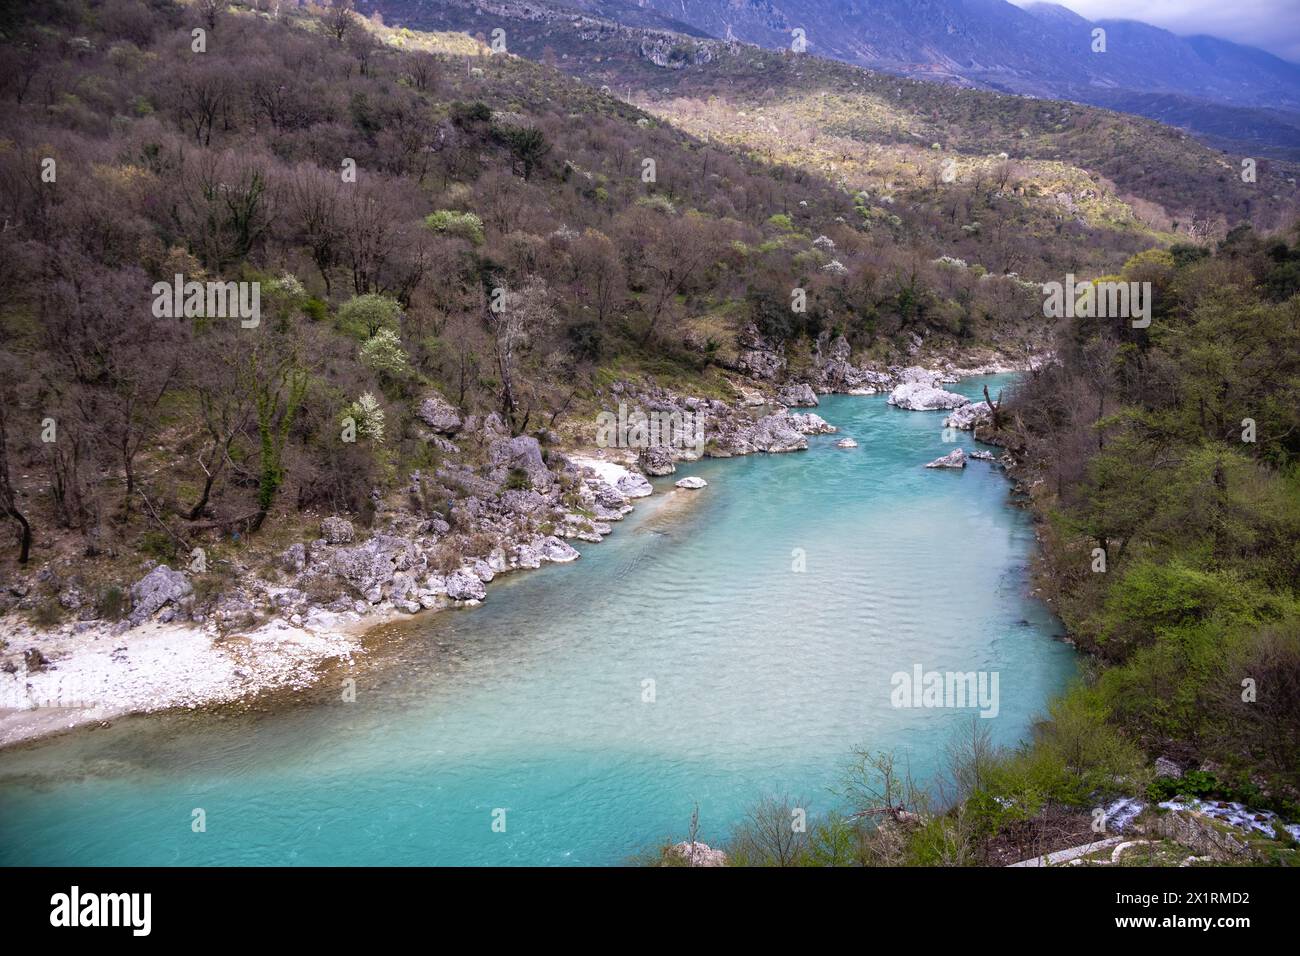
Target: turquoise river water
[765, 678]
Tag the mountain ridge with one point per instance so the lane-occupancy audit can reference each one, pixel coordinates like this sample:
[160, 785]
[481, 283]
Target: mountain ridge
[1044, 50]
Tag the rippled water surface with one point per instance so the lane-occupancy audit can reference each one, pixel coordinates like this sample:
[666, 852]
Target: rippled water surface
[764, 680]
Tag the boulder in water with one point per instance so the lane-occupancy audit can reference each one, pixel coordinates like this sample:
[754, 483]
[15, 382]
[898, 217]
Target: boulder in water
[923, 397]
[954, 459]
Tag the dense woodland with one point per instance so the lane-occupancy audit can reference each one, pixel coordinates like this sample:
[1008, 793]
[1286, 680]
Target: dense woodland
[471, 175]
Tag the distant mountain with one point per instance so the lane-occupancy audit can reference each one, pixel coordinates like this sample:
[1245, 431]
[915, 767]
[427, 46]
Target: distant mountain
[869, 130]
[1043, 50]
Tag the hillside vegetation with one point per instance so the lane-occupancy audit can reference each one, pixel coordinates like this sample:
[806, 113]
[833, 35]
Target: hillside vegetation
[382, 195]
[864, 119]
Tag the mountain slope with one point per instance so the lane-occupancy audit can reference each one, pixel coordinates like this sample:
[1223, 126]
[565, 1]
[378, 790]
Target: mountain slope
[890, 125]
[1043, 50]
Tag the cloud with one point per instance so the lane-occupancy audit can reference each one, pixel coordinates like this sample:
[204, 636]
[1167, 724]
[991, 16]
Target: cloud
[1272, 25]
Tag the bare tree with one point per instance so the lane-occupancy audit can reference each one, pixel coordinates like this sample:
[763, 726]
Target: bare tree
[8, 493]
[340, 19]
[422, 70]
[517, 318]
[316, 206]
[774, 833]
[210, 11]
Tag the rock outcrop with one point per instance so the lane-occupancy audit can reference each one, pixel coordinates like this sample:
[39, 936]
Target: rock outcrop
[954, 459]
[692, 482]
[810, 423]
[772, 434]
[523, 453]
[797, 395]
[656, 461]
[966, 417]
[439, 414]
[699, 854]
[1203, 835]
[160, 587]
[759, 357]
[920, 396]
[833, 370]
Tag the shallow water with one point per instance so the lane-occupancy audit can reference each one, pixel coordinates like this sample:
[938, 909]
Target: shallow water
[765, 678]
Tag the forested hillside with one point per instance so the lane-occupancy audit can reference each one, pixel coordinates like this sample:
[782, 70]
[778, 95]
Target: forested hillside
[1086, 177]
[379, 193]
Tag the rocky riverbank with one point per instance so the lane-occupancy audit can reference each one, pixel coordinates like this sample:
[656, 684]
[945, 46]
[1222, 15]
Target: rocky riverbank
[494, 503]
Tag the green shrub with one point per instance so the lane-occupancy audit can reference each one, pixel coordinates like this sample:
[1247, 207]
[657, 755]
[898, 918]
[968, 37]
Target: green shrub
[364, 315]
[466, 225]
[1194, 783]
[112, 603]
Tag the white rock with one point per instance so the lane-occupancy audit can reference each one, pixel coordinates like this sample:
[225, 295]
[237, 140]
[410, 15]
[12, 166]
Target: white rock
[561, 552]
[968, 416]
[810, 423]
[919, 397]
[954, 459]
[700, 854]
[692, 482]
[846, 443]
[635, 486]
[464, 585]
[527, 557]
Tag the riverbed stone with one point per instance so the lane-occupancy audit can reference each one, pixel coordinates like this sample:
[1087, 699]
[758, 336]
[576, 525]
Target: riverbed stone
[557, 550]
[656, 461]
[633, 485]
[463, 584]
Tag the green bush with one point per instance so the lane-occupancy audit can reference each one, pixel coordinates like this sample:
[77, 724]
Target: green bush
[1194, 783]
[364, 315]
[466, 225]
[112, 603]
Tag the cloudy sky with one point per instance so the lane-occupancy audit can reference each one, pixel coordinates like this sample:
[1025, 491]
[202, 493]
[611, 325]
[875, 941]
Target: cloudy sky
[1273, 25]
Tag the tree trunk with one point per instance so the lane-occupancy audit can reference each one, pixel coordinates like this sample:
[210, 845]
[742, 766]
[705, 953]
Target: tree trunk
[25, 548]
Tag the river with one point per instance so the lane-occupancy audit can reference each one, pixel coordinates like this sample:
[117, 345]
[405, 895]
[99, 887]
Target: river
[712, 650]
